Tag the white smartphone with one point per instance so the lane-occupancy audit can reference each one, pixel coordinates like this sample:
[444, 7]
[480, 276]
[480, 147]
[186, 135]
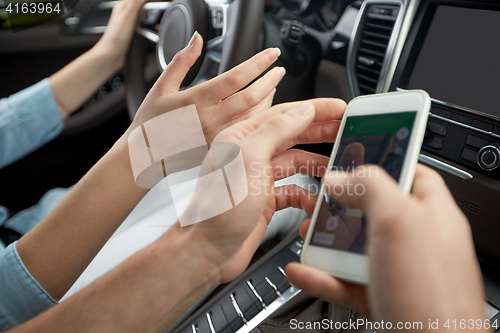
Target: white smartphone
[385, 130]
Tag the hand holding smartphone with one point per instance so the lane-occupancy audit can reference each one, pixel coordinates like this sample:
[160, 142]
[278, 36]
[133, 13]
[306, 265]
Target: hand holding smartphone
[385, 130]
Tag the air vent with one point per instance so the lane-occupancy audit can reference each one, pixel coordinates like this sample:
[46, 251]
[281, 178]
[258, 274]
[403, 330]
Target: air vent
[370, 45]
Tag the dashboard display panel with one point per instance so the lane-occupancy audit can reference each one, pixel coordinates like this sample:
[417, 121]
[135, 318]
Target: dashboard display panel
[459, 61]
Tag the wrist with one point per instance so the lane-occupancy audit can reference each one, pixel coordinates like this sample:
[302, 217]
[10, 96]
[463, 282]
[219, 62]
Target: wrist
[192, 255]
[110, 58]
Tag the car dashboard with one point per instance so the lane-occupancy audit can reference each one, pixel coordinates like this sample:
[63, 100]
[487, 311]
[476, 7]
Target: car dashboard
[345, 49]
[446, 47]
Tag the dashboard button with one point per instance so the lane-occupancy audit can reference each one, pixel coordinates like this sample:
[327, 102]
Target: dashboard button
[188, 329]
[462, 119]
[488, 157]
[232, 317]
[436, 128]
[441, 112]
[279, 281]
[476, 142]
[266, 292]
[245, 303]
[202, 325]
[496, 130]
[433, 141]
[469, 155]
[482, 125]
[219, 320]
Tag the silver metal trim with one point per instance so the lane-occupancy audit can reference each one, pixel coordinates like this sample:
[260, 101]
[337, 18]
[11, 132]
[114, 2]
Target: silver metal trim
[106, 5]
[282, 271]
[491, 311]
[261, 316]
[350, 63]
[93, 30]
[256, 294]
[210, 324]
[161, 55]
[193, 328]
[488, 166]
[156, 5]
[152, 36]
[273, 286]
[392, 44]
[463, 108]
[445, 167]
[237, 308]
[411, 7]
[451, 121]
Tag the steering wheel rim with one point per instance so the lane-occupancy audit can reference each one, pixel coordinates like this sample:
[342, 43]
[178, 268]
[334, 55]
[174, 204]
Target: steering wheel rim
[239, 28]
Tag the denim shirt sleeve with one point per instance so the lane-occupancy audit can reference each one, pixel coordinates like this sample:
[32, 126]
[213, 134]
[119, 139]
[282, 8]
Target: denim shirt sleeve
[28, 120]
[21, 297]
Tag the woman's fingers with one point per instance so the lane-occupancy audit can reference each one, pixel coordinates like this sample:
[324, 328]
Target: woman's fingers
[171, 79]
[317, 283]
[230, 82]
[253, 95]
[296, 161]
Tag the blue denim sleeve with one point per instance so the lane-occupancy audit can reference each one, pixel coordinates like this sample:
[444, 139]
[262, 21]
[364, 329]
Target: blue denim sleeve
[21, 297]
[28, 120]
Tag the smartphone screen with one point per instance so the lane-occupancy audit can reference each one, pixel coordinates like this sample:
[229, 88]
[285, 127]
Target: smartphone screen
[380, 139]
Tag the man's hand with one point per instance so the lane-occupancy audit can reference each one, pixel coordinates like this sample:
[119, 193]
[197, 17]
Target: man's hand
[219, 102]
[422, 261]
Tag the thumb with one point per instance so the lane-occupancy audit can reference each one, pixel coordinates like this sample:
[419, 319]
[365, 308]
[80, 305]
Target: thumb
[171, 78]
[368, 187]
[281, 128]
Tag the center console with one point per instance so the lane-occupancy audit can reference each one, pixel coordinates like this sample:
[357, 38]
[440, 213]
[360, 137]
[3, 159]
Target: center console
[451, 51]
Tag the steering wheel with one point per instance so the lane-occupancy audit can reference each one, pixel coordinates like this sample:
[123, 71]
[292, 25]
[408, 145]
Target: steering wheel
[230, 31]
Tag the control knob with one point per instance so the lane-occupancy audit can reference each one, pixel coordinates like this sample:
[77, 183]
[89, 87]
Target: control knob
[488, 157]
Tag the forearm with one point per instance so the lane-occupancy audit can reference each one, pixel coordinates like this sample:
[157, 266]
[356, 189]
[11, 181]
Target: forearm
[61, 246]
[147, 292]
[77, 81]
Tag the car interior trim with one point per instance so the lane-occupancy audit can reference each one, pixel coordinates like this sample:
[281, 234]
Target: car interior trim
[410, 9]
[350, 63]
[392, 43]
[93, 30]
[286, 296]
[444, 167]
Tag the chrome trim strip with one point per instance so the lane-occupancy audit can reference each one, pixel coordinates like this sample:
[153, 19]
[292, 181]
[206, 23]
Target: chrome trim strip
[161, 55]
[454, 122]
[273, 286]
[350, 50]
[445, 167]
[237, 308]
[93, 30]
[491, 311]
[210, 324]
[156, 5]
[148, 34]
[392, 44]
[411, 7]
[256, 294]
[350, 63]
[462, 108]
[106, 5]
[193, 328]
[261, 316]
